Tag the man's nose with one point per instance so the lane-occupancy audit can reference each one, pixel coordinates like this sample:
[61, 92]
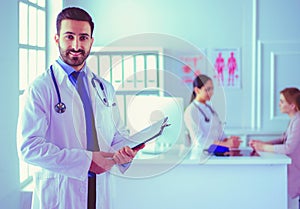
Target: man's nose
[75, 44]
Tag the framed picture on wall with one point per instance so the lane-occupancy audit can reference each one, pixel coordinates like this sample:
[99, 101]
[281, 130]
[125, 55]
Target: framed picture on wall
[226, 65]
[192, 65]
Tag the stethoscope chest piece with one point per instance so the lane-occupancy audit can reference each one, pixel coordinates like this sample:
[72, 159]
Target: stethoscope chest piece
[60, 107]
[207, 120]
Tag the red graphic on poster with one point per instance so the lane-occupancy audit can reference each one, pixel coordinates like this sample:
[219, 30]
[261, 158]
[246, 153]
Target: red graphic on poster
[232, 67]
[186, 69]
[219, 66]
[191, 67]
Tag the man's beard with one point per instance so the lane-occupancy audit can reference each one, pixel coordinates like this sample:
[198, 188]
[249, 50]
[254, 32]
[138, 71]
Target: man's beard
[73, 61]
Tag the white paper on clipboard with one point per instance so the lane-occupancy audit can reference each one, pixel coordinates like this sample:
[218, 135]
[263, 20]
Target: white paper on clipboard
[147, 134]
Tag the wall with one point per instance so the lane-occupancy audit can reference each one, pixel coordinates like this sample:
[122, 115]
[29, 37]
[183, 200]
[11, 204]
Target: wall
[252, 25]
[9, 169]
[191, 25]
[278, 55]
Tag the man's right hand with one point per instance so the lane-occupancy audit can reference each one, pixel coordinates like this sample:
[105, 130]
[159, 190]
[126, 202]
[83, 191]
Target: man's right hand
[101, 162]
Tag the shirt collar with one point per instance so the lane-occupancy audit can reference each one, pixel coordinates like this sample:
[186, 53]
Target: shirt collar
[199, 104]
[67, 68]
[297, 115]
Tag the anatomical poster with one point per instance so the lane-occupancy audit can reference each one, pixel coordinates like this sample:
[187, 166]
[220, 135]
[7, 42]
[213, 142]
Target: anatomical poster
[226, 63]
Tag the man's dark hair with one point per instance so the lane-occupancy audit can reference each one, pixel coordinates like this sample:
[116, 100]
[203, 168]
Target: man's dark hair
[74, 13]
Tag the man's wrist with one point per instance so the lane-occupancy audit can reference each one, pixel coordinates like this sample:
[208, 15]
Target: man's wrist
[114, 161]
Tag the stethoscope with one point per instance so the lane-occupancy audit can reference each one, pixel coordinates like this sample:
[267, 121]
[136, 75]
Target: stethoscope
[104, 98]
[60, 107]
[202, 112]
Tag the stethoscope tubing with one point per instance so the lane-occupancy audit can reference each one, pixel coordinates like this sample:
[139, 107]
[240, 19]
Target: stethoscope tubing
[55, 84]
[202, 112]
[104, 99]
[60, 107]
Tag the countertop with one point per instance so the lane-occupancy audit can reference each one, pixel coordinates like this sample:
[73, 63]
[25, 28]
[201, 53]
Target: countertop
[184, 155]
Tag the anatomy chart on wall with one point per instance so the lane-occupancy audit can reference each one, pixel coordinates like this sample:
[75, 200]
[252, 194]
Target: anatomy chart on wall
[226, 63]
[192, 66]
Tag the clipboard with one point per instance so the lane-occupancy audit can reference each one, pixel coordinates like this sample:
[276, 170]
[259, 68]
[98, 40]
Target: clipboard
[147, 134]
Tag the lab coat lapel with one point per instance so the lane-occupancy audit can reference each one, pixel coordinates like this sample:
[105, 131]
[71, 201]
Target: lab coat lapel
[73, 102]
[91, 89]
[102, 114]
[95, 107]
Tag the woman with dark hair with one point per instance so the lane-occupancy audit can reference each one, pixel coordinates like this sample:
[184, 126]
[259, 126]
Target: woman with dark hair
[202, 121]
[289, 143]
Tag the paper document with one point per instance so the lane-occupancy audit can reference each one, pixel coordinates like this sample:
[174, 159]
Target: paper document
[147, 134]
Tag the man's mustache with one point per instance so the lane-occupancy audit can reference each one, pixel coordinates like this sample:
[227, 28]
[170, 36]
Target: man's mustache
[76, 51]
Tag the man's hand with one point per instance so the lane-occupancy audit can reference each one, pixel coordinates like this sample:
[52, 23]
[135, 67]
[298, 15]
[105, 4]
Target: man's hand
[104, 161]
[101, 162]
[126, 154]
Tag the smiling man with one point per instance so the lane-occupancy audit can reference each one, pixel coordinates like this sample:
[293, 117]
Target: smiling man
[67, 130]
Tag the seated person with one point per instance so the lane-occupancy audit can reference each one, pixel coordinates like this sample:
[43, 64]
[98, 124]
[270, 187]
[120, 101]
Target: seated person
[289, 143]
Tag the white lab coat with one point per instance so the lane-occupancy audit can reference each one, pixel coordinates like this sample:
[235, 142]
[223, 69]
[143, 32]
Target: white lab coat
[57, 142]
[203, 133]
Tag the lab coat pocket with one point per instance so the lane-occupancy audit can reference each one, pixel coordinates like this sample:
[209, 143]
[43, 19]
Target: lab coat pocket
[105, 126]
[48, 190]
[103, 115]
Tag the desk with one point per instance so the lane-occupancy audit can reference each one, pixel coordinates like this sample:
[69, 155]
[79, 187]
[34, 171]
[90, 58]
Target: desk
[182, 180]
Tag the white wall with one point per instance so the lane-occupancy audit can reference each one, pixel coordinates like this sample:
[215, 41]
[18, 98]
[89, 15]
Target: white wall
[191, 25]
[9, 164]
[278, 55]
[257, 27]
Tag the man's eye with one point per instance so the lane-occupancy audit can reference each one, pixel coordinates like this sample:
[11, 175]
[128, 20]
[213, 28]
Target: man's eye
[83, 38]
[70, 37]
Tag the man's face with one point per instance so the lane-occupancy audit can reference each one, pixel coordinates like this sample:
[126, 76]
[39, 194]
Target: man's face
[74, 42]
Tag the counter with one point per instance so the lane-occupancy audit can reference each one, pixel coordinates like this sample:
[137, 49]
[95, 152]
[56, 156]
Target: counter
[190, 179]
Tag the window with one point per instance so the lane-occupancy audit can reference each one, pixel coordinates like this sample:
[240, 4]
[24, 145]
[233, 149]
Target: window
[32, 54]
[132, 71]
[137, 74]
